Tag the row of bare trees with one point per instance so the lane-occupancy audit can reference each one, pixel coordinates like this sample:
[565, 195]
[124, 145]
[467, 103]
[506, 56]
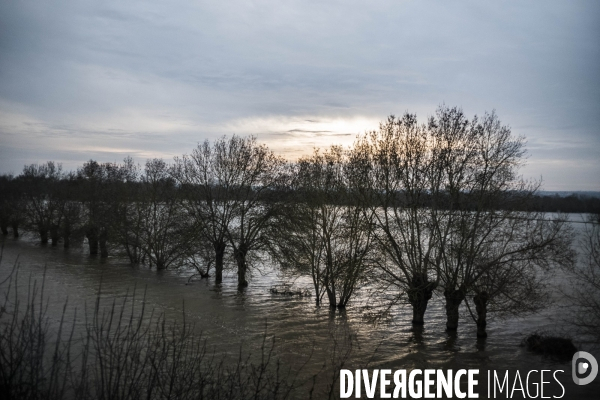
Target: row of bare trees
[417, 208]
[411, 208]
[220, 199]
[109, 204]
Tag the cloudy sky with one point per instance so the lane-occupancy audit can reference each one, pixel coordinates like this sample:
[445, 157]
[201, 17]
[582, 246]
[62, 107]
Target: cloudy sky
[103, 80]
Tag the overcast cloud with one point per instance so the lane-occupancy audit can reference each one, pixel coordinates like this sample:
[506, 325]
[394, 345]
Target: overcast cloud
[102, 80]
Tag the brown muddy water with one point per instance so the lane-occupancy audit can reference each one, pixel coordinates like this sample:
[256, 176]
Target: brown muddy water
[307, 338]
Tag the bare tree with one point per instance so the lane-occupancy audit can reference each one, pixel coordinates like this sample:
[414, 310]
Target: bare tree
[128, 211]
[226, 188]
[94, 181]
[43, 207]
[251, 173]
[207, 198]
[451, 184]
[451, 210]
[392, 165]
[12, 204]
[167, 236]
[480, 218]
[511, 273]
[326, 233]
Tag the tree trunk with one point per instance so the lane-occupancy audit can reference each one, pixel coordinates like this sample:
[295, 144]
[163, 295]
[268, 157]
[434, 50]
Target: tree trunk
[54, 235]
[43, 235]
[344, 298]
[454, 297]
[15, 229]
[102, 241]
[419, 293]
[317, 296]
[66, 236]
[160, 265]
[92, 237]
[219, 255]
[481, 300]
[240, 257]
[132, 253]
[331, 297]
[133, 249]
[4, 227]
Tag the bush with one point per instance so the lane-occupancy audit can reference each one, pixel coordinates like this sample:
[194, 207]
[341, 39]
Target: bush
[559, 348]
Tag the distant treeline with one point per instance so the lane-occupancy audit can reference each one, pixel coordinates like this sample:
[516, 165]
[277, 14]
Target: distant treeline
[574, 203]
[411, 209]
[74, 186]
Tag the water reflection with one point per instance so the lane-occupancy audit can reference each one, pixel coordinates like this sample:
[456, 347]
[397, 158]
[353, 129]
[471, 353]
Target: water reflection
[481, 344]
[417, 335]
[450, 344]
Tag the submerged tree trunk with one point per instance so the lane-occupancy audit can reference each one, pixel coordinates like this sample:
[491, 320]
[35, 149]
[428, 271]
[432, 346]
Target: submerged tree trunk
[54, 234]
[481, 300]
[102, 241]
[454, 297]
[15, 229]
[240, 257]
[331, 297]
[133, 248]
[344, 299]
[43, 235]
[92, 237]
[317, 293]
[133, 253]
[205, 275]
[219, 255]
[419, 293]
[160, 265]
[66, 236]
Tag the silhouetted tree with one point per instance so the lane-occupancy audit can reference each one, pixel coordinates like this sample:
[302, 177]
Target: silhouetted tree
[12, 204]
[128, 211]
[480, 217]
[208, 198]
[249, 172]
[513, 267]
[167, 237]
[452, 213]
[99, 195]
[44, 205]
[392, 165]
[225, 186]
[326, 233]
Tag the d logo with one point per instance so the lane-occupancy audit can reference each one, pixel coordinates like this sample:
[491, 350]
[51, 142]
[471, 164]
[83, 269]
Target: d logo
[587, 365]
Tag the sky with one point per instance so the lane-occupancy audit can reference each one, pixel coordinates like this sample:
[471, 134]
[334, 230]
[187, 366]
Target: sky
[84, 80]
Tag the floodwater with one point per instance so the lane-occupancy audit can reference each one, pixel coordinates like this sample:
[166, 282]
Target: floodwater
[307, 338]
